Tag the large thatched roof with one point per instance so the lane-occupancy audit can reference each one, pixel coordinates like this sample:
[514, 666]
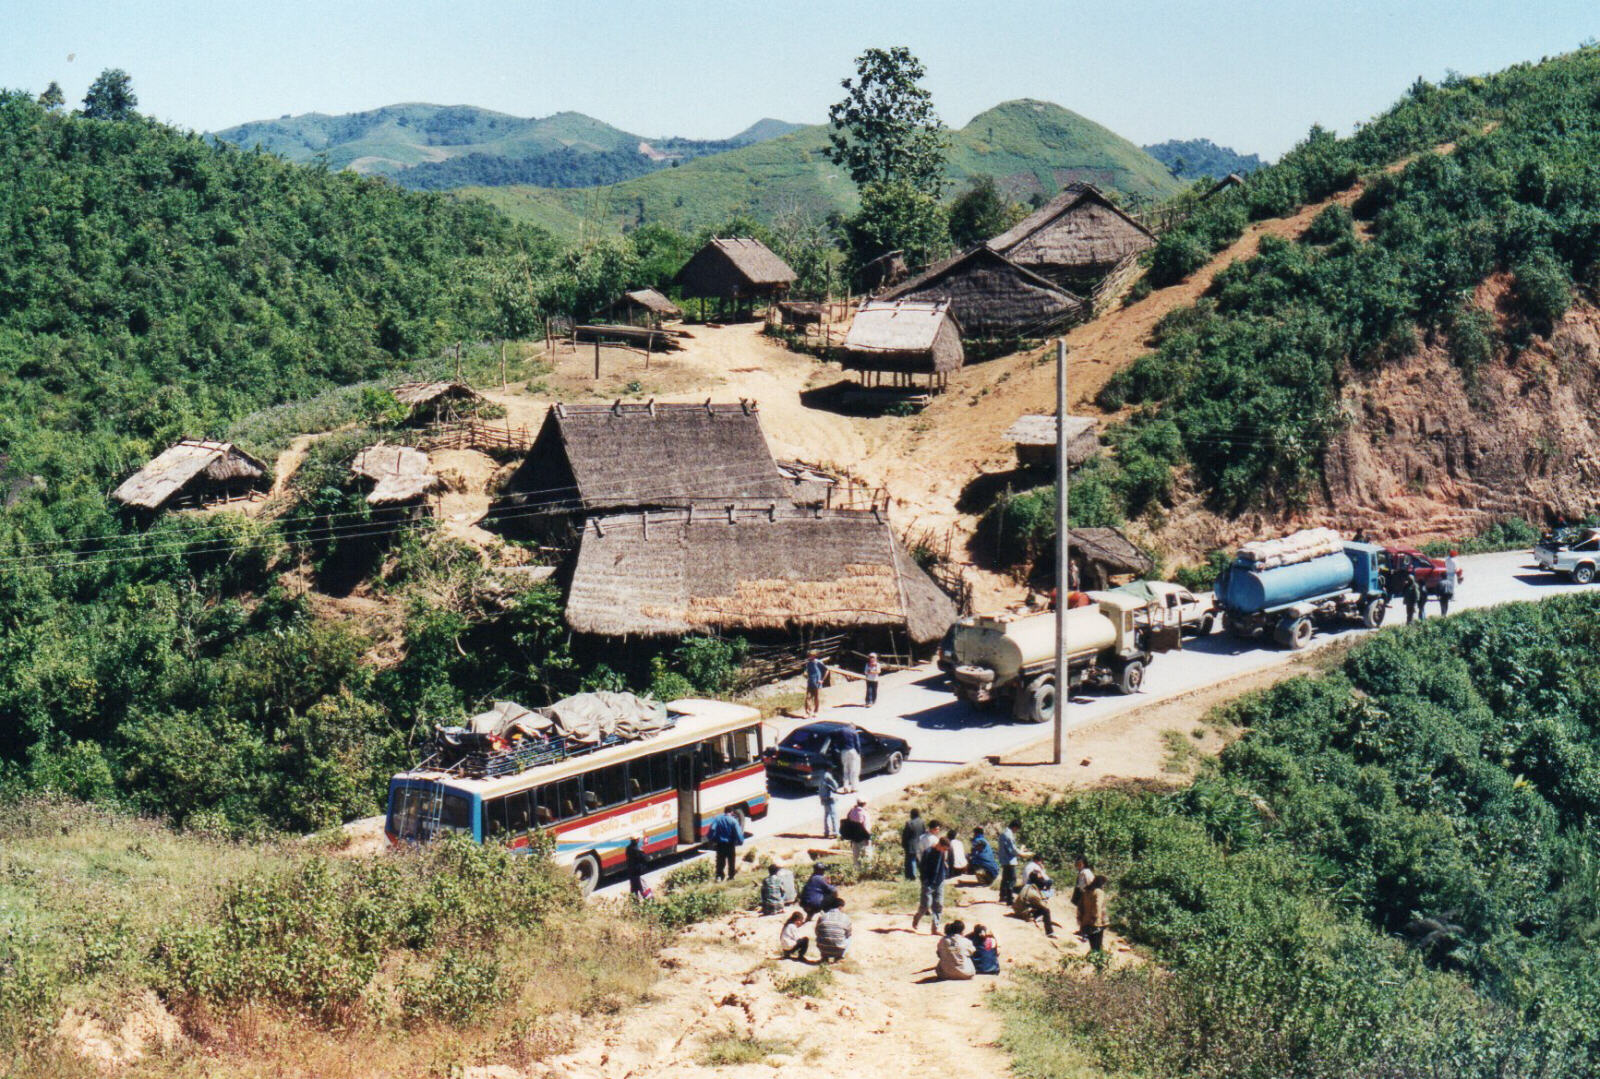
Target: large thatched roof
[734, 268]
[1110, 549]
[683, 571]
[904, 335]
[398, 474]
[1079, 231]
[599, 457]
[412, 394]
[993, 297]
[187, 468]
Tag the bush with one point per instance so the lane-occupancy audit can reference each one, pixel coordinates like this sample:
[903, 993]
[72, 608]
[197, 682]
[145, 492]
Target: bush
[1331, 225]
[1543, 291]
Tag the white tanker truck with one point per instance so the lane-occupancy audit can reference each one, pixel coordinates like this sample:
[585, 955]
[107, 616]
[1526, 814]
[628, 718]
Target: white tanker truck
[1013, 660]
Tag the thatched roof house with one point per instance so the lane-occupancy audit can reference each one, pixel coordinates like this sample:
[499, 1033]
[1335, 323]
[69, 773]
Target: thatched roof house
[643, 306]
[1075, 237]
[193, 473]
[602, 457]
[399, 474]
[1035, 439]
[431, 401]
[883, 271]
[680, 571]
[1098, 554]
[735, 269]
[993, 297]
[911, 336]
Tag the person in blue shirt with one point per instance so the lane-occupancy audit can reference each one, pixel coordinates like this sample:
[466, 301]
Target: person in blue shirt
[850, 757]
[817, 891]
[985, 951]
[934, 867]
[815, 673]
[1009, 857]
[827, 789]
[980, 859]
[726, 834]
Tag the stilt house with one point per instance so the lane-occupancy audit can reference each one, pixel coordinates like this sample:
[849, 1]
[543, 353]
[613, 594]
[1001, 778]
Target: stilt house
[193, 473]
[436, 402]
[740, 272]
[905, 338]
[1035, 439]
[992, 297]
[400, 476]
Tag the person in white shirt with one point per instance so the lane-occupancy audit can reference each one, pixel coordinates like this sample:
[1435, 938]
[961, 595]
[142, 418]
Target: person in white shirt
[958, 854]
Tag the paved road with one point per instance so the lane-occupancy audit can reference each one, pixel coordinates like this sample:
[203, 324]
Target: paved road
[946, 734]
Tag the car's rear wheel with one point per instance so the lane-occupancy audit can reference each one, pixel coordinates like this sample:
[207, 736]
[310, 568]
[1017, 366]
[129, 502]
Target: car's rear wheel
[1583, 574]
[894, 763]
[1206, 625]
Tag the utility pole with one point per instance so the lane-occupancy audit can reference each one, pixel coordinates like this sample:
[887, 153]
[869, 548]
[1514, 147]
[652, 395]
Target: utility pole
[1063, 547]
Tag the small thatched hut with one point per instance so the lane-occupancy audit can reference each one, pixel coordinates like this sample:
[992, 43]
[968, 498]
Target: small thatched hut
[1035, 439]
[740, 271]
[1074, 239]
[911, 337]
[193, 473]
[883, 271]
[602, 457]
[436, 402]
[401, 477]
[752, 571]
[1098, 554]
[643, 307]
[994, 298]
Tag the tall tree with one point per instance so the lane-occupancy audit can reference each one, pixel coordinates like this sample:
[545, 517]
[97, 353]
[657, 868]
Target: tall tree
[110, 96]
[53, 98]
[885, 130]
[981, 212]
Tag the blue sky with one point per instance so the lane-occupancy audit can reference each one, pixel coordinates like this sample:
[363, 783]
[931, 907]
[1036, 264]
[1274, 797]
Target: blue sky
[1254, 75]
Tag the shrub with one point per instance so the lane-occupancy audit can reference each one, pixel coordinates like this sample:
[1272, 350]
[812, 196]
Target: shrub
[1543, 291]
[1331, 225]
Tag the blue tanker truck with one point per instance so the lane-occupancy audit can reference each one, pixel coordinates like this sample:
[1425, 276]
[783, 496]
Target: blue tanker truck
[1289, 600]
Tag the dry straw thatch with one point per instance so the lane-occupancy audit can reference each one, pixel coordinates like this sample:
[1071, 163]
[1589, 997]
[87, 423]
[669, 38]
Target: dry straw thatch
[734, 269]
[1078, 235]
[1035, 439]
[783, 569]
[918, 336]
[1100, 553]
[398, 473]
[434, 400]
[994, 298]
[599, 457]
[192, 472]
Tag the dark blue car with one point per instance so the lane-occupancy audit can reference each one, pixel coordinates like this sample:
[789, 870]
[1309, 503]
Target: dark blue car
[801, 757]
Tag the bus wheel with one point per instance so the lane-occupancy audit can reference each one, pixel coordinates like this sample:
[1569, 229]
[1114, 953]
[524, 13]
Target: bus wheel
[892, 765]
[587, 870]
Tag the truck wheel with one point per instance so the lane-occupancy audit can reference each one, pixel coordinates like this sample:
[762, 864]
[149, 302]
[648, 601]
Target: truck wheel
[1583, 574]
[587, 870]
[1373, 613]
[1298, 634]
[1131, 677]
[1042, 702]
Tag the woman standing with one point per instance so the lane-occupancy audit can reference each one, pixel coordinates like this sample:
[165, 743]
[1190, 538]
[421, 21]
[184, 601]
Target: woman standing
[871, 673]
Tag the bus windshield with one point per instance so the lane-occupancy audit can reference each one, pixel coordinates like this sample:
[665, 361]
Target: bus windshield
[419, 812]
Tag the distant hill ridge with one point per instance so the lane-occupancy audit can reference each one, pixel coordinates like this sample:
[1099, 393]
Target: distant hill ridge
[440, 146]
[1194, 159]
[1032, 148]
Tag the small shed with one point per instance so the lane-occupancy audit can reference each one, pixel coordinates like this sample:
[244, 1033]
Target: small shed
[1074, 239]
[906, 337]
[787, 571]
[436, 402]
[400, 476]
[193, 473]
[643, 307]
[603, 457]
[1098, 554]
[1035, 439]
[738, 271]
[993, 298]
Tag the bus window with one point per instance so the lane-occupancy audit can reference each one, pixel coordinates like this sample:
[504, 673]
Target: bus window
[543, 802]
[455, 813]
[660, 765]
[403, 803]
[494, 818]
[517, 817]
[568, 800]
[604, 787]
[714, 756]
[746, 747]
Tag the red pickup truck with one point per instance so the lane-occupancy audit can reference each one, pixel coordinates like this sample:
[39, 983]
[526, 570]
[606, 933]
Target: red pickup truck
[1430, 571]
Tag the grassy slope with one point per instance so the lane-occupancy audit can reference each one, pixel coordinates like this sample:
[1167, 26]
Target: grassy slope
[1032, 145]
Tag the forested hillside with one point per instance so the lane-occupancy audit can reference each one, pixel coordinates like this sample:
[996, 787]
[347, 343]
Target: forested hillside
[1031, 148]
[1196, 159]
[433, 147]
[1394, 872]
[1489, 182]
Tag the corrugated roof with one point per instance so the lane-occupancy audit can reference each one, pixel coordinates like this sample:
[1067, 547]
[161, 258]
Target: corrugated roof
[682, 571]
[897, 325]
[175, 467]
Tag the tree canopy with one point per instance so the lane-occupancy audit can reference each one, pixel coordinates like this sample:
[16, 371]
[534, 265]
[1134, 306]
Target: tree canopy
[886, 130]
[110, 96]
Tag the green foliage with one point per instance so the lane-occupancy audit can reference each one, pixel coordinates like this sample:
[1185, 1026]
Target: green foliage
[699, 666]
[813, 983]
[1542, 289]
[1398, 858]
[1202, 578]
[1507, 534]
[897, 215]
[1330, 226]
[1193, 159]
[885, 131]
[110, 96]
[52, 98]
[980, 213]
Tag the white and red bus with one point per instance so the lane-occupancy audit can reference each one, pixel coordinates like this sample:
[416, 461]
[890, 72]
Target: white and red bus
[664, 789]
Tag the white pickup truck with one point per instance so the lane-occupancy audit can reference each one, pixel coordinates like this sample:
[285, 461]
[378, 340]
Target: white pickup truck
[1173, 605]
[1577, 558]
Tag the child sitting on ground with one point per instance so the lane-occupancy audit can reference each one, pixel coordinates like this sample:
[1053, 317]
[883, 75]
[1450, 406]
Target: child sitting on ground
[985, 951]
[794, 946]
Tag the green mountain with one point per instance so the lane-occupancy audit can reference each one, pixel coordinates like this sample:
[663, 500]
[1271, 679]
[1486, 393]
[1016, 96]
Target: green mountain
[442, 146]
[1196, 159]
[1032, 147]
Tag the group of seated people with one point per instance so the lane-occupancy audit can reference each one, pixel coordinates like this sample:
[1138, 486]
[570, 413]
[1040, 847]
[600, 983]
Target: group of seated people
[962, 955]
[819, 898]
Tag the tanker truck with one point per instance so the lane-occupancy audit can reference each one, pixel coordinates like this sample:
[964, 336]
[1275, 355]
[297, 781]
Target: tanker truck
[1287, 595]
[996, 659]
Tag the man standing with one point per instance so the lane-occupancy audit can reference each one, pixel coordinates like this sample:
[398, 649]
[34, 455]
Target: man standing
[726, 835]
[871, 673]
[1008, 861]
[1412, 595]
[815, 672]
[634, 857]
[934, 866]
[827, 788]
[911, 834]
[1447, 585]
[850, 757]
